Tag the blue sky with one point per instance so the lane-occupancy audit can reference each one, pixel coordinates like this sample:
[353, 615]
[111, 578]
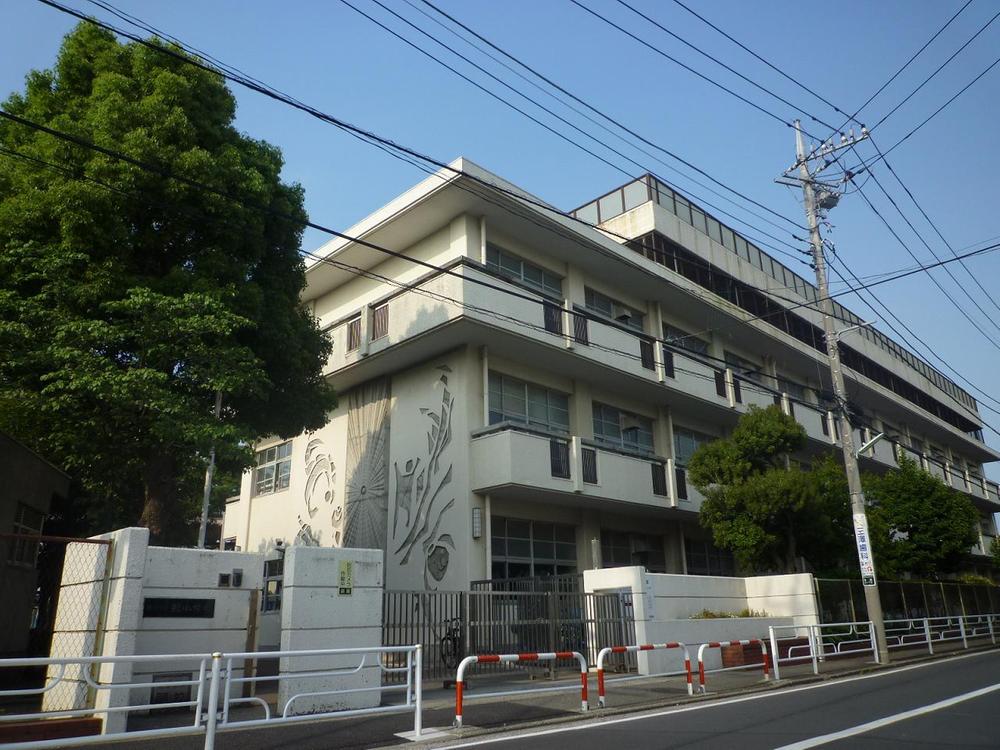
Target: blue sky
[329, 56]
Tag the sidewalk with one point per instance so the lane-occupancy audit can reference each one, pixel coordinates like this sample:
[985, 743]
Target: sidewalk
[531, 703]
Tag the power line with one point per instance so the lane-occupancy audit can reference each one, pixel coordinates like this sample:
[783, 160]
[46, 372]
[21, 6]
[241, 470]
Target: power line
[773, 67]
[389, 146]
[934, 226]
[600, 113]
[905, 65]
[936, 71]
[686, 67]
[864, 165]
[384, 141]
[876, 301]
[518, 109]
[168, 174]
[717, 61]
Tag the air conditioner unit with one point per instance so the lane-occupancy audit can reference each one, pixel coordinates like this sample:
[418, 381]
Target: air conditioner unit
[628, 422]
[621, 313]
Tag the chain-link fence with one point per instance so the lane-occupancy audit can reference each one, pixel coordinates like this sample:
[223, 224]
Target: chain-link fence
[844, 600]
[52, 598]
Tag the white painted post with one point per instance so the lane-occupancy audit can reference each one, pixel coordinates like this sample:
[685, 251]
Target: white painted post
[812, 648]
[989, 624]
[213, 703]
[871, 639]
[961, 629]
[418, 719]
[774, 651]
[927, 635]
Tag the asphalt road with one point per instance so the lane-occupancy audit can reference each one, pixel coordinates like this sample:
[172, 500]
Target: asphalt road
[946, 704]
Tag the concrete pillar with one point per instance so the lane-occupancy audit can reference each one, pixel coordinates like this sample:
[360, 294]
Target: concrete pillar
[581, 411]
[332, 598]
[465, 237]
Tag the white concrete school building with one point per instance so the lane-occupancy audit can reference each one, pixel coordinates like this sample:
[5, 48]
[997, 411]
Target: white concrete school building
[516, 384]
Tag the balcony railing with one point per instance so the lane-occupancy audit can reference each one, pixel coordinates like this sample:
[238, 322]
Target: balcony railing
[510, 454]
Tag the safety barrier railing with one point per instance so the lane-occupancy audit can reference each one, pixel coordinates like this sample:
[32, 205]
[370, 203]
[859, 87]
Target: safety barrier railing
[68, 681]
[511, 658]
[848, 638]
[604, 652]
[720, 644]
[215, 686]
[926, 631]
[411, 669]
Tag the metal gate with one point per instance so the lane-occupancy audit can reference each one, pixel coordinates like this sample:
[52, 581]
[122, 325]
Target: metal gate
[451, 625]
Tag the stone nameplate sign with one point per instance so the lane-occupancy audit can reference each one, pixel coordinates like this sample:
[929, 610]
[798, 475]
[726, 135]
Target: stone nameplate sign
[167, 607]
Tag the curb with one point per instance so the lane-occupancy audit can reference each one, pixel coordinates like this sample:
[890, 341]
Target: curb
[468, 733]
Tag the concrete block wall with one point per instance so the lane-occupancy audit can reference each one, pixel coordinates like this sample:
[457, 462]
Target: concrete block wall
[77, 619]
[663, 605]
[317, 614]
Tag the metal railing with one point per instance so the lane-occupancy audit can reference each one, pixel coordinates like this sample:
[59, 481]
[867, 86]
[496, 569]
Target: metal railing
[216, 690]
[514, 659]
[834, 638]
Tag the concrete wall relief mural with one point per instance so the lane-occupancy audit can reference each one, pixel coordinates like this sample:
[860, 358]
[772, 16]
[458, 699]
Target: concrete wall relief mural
[367, 490]
[323, 509]
[424, 494]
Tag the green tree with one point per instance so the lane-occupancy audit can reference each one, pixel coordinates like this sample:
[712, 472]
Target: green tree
[919, 525]
[123, 311]
[763, 510]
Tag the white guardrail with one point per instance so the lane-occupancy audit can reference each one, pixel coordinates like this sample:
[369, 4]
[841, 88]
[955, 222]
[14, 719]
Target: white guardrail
[214, 690]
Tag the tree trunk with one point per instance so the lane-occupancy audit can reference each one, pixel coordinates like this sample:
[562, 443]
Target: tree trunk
[791, 552]
[160, 513]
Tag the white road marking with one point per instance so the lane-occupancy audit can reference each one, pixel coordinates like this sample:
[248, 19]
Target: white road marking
[886, 721]
[711, 704]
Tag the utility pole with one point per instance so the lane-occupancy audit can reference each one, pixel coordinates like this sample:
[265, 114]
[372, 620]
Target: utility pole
[209, 474]
[814, 203]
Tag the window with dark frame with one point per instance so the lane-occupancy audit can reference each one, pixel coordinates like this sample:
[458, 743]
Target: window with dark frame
[354, 334]
[28, 522]
[514, 400]
[527, 549]
[380, 321]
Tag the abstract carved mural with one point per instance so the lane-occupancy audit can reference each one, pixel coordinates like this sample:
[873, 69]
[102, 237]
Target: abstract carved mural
[323, 509]
[424, 495]
[366, 503]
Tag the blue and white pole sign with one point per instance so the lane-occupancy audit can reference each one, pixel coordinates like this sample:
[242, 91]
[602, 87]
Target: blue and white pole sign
[865, 558]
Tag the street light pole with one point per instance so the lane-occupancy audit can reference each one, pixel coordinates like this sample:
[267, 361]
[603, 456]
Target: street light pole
[861, 535]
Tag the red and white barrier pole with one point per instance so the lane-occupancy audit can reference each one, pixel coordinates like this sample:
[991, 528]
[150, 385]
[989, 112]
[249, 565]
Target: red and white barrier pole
[720, 644]
[507, 658]
[634, 649]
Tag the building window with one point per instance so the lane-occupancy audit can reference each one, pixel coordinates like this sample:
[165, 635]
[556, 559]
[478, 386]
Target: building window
[622, 429]
[705, 559]
[28, 522]
[684, 340]
[526, 549]
[743, 367]
[793, 389]
[274, 576]
[620, 548]
[380, 322]
[274, 469]
[521, 270]
[607, 307]
[513, 400]
[354, 334]
[686, 442]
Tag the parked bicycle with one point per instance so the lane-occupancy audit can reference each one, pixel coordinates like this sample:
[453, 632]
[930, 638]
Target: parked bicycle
[452, 644]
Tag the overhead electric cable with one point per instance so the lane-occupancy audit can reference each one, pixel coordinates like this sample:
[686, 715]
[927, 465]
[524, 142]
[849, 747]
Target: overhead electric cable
[602, 114]
[168, 174]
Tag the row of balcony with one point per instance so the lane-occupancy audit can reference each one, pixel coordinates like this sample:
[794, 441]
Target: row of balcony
[442, 299]
[510, 454]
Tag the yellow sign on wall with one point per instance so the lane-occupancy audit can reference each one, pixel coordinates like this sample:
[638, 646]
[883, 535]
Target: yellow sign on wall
[345, 578]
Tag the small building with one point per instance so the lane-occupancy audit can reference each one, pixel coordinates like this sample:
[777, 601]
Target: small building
[29, 486]
[521, 389]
